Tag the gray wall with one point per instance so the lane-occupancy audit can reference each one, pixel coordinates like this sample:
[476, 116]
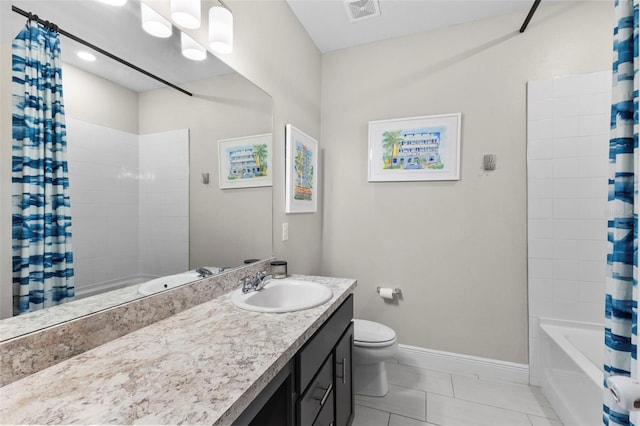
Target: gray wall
[272, 49]
[225, 226]
[118, 106]
[456, 249]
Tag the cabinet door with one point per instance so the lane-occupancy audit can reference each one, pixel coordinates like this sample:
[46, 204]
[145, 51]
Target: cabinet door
[275, 405]
[344, 379]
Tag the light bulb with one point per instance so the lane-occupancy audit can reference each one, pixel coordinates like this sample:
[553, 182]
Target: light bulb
[191, 49]
[153, 23]
[89, 57]
[186, 13]
[220, 29]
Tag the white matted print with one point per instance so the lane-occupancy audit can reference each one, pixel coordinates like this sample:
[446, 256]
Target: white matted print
[415, 149]
[245, 162]
[301, 172]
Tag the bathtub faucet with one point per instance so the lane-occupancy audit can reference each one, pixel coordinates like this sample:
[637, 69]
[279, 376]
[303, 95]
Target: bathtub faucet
[204, 272]
[256, 282]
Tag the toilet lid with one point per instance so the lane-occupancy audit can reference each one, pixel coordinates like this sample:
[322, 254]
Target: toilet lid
[372, 332]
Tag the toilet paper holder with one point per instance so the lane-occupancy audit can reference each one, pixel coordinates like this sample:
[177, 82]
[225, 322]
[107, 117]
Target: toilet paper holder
[395, 290]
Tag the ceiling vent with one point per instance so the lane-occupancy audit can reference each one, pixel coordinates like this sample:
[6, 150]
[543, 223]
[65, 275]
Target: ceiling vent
[362, 9]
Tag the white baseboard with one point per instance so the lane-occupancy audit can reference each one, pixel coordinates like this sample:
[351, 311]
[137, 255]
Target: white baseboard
[503, 371]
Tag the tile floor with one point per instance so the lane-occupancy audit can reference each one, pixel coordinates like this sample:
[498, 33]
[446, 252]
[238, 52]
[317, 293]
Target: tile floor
[419, 397]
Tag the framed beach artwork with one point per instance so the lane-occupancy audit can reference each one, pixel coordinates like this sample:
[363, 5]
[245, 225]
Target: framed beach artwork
[301, 172]
[415, 149]
[245, 162]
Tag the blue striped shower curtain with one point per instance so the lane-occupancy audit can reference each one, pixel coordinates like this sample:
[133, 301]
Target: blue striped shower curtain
[621, 312]
[42, 255]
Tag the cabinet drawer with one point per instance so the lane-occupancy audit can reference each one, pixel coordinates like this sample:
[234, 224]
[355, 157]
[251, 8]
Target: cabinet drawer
[313, 354]
[325, 418]
[318, 395]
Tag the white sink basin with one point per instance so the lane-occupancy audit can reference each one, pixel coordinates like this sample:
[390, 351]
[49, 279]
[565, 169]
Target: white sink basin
[283, 295]
[168, 282]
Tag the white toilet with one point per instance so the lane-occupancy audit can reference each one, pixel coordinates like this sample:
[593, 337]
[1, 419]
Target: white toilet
[373, 344]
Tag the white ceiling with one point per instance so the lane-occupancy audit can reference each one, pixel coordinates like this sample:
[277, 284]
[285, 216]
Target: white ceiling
[118, 31]
[330, 27]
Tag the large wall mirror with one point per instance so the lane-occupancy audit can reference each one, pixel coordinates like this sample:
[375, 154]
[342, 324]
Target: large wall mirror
[144, 157]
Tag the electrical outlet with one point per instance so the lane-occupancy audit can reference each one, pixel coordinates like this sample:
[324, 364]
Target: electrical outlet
[285, 231]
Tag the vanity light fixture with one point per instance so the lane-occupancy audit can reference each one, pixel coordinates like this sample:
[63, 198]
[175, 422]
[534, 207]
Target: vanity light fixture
[186, 13]
[86, 56]
[191, 49]
[154, 23]
[220, 29]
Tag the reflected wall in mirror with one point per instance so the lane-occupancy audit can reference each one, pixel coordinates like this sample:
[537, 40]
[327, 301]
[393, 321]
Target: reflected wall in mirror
[137, 151]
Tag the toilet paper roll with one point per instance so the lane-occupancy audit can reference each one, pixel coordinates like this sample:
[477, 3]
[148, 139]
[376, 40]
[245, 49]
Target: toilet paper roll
[626, 392]
[386, 293]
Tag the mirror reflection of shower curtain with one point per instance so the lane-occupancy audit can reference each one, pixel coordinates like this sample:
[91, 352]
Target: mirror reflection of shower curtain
[42, 255]
[621, 312]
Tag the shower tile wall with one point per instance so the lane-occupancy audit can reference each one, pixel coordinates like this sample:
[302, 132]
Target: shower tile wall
[164, 202]
[567, 158]
[103, 187]
[121, 189]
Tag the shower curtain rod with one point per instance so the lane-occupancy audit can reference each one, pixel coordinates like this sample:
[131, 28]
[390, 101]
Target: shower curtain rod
[535, 5]
[97, 49]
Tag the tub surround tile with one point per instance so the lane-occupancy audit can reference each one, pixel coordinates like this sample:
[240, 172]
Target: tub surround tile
[540, 129]
[78, 330]
[201, 366]
[579, 134]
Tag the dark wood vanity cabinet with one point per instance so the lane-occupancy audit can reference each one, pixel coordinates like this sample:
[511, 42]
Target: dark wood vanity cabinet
[344, 379]
[316, 387]
[324, 373]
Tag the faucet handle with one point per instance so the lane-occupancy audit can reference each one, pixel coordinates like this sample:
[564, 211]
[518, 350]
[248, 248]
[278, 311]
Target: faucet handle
[246, 283]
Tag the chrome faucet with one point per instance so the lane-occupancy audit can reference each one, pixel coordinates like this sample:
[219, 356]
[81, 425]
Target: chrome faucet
[204, 272]
[256, 282]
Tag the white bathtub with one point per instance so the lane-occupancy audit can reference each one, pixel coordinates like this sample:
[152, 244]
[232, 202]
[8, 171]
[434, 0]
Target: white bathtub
[571, 357]
[83, 291]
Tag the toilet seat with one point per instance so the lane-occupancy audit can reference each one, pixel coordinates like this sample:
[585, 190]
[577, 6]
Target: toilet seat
[372, 334]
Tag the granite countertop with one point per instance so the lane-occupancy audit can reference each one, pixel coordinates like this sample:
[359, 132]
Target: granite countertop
[37, 320]
[201, 366]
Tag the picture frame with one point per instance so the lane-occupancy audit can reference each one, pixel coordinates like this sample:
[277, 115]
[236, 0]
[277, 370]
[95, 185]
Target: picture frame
[245, 162]
[423, 148]
[301, 171]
